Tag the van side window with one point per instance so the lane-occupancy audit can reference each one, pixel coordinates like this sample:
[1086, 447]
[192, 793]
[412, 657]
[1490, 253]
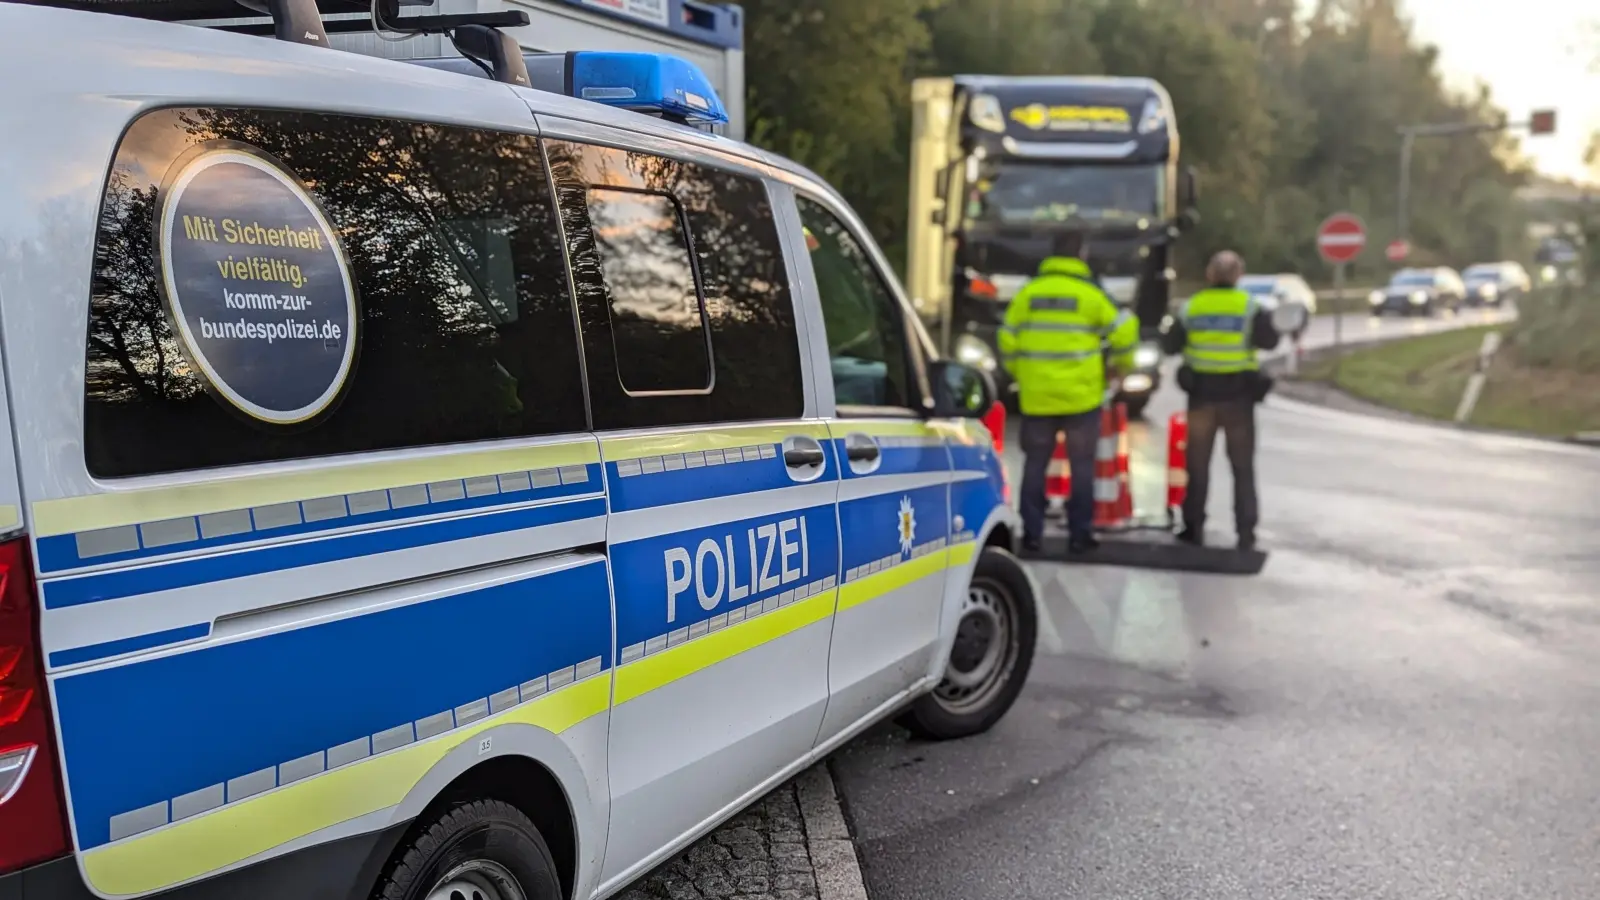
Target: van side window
[658, 325]
[867, 338]
[743, 290]
[463, 325]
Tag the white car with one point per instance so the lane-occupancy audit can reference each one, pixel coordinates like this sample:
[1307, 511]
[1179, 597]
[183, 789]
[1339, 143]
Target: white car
[1283, 290]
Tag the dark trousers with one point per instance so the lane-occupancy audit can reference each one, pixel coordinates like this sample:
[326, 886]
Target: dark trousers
[1038, 445]
[1236, 419]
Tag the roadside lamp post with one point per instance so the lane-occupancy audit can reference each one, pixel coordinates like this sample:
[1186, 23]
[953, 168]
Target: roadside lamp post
[1541, 122]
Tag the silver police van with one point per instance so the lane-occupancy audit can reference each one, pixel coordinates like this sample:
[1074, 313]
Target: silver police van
[423, 486]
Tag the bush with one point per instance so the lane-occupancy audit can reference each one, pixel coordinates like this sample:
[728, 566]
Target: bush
[1559, 328]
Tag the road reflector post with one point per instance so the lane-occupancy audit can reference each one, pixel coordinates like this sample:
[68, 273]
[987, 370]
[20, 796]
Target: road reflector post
[1106, 483]
[1119, 420]
[1177, 464]
[1480, 374]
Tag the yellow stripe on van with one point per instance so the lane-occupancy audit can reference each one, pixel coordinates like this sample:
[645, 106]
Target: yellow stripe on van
[643, 676]
[879, 583]
[708, 439]
[206, 843]
[10, 517]
[961, 554]
[133, 507]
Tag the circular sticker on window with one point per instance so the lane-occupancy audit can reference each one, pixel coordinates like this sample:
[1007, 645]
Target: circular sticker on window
[257, 285]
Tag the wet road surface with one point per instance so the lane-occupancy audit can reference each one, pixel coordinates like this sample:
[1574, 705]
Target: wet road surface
[1405, 704]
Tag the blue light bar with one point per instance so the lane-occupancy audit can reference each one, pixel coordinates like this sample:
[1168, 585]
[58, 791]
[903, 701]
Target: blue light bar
[646, 82]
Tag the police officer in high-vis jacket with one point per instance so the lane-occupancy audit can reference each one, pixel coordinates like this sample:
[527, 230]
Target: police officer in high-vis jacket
[1051, 343]
[1218, 331]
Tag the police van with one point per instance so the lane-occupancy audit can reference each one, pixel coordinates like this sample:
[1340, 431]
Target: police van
[419, 485]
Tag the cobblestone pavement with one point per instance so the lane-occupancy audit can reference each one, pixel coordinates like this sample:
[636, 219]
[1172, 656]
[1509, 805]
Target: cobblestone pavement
[760, 854]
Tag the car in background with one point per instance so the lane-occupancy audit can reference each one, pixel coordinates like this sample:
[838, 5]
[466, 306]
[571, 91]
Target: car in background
[1282, 289]
[1420, 292]
[1495, 283]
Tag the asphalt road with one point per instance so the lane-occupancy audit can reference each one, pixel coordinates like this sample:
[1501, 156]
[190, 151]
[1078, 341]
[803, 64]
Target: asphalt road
[1404, 704]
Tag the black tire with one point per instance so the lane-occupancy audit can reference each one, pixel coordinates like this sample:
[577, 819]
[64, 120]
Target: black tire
[1136, 407]
[955, 710]
[482, 845]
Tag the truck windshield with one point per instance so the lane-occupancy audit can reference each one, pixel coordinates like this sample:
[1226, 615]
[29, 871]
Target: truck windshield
[1013, 192]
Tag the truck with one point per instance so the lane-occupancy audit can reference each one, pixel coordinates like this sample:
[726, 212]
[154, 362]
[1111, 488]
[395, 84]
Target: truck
[1001, 166]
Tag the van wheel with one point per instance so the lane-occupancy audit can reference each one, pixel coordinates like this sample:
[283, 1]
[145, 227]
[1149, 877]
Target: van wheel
[990, 659]
[482, 850]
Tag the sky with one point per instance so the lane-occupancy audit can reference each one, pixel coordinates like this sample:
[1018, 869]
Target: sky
[1533, 54]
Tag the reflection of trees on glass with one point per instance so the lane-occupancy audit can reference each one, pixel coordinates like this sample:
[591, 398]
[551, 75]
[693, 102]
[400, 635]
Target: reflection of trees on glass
[754, 346]
[657, 327]
[866, 338]
[450, 233]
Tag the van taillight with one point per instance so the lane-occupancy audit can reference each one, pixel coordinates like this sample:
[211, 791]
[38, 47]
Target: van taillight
[33, 821]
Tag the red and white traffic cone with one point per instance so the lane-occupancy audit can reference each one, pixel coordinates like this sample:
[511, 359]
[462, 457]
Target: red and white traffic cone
[1105, 473]
[1124, 482]
[1058, 478]
[1177, 464]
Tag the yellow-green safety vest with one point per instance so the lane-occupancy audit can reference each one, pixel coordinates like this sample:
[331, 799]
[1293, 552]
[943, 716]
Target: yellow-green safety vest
[1219, 322]
[1052, 336]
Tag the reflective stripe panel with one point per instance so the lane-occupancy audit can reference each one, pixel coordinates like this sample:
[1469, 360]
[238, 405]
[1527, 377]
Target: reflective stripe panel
[1075, 327]
[1068, 355]
[1053, 304]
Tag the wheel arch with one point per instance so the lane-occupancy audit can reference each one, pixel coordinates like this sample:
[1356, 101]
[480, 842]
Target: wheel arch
[530, 768]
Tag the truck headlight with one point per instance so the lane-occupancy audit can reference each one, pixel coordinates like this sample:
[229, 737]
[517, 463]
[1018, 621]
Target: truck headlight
[1146, 357]
[972, 351]
[1375, 298]
[1418, 298]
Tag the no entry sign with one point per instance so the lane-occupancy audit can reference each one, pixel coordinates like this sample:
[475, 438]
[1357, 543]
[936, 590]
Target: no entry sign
[1341, 238]
[1398, 250]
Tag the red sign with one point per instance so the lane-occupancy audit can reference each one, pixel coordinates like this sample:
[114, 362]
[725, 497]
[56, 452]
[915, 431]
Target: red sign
[1543, 122]
[1397, 250]
[1341, 238]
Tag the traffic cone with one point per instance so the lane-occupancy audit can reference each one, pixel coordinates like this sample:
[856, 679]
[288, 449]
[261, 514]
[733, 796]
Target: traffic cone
[1058, 477]
[1124, 485]
[1177, 463]
[1105, 473]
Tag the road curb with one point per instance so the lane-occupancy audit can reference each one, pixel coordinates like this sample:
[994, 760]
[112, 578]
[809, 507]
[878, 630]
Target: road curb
[833, 854]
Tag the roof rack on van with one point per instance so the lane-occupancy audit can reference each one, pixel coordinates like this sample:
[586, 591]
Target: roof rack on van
[476, 35]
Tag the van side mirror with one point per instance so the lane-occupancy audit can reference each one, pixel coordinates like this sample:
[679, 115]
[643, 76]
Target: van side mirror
[1188, 188]
[960, 391]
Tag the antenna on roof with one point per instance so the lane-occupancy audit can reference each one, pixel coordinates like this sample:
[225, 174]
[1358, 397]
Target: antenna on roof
[298, 21]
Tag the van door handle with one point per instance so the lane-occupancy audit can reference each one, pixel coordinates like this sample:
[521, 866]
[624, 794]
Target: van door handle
[862, 452]
[796, 457]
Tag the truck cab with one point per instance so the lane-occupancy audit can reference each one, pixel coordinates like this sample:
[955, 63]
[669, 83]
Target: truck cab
[1001, 166]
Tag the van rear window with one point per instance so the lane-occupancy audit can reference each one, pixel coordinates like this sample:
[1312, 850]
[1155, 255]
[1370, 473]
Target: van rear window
[273, 285]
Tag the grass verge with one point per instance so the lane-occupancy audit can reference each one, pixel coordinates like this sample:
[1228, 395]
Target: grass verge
[1426, 376]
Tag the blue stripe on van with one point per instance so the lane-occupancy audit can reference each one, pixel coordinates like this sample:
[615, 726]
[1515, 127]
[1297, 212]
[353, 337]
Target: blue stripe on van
[646, 597]
[973, 500]
[965, 458]
[60, 552]
[686, 485]
[64, 592]
[901, 460]
[871, 525]
[152, 730]
[75, 655]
